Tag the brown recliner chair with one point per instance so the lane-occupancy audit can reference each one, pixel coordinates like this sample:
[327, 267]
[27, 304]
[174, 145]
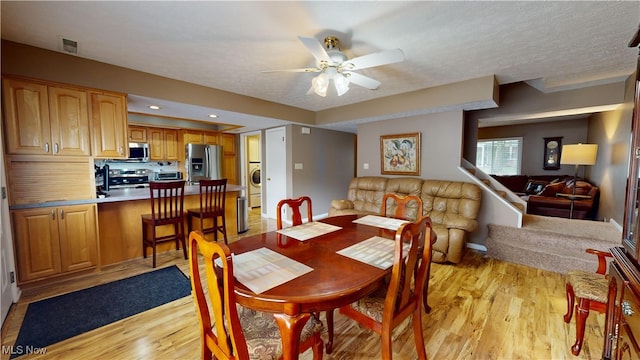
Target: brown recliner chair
[550, 203]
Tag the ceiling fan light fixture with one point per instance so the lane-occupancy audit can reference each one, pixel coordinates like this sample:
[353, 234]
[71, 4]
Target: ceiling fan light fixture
[341, 83]
[320, 84]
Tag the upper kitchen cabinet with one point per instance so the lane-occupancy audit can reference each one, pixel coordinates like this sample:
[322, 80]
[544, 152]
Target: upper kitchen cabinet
[137, 134]
[45, 119]
[109, 121]
[163, 144]
[229, 159]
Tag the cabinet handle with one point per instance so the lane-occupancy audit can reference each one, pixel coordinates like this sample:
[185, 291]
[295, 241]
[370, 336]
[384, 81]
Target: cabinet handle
[55, 148]
[61, 214]
[46, 147]
[120, 150]
[626, 308]
[53, 214]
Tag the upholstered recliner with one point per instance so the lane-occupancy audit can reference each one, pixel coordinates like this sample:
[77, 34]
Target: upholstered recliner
[364, 196]
[452, 205]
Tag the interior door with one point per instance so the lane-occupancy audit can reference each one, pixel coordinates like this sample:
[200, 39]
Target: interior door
[275, 170]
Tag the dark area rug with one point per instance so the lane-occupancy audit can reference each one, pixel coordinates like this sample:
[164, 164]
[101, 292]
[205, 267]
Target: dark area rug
[55, 319]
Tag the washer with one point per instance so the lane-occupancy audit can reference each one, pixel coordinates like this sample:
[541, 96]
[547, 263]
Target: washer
[254, 185]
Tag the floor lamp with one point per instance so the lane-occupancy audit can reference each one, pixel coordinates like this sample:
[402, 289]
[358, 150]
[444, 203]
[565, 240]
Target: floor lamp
[578, 154]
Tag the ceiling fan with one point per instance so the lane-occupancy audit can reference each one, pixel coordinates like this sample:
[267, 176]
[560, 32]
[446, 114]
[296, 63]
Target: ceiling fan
[332, 64]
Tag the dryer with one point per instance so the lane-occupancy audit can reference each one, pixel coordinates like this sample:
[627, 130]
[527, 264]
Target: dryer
[254, 185]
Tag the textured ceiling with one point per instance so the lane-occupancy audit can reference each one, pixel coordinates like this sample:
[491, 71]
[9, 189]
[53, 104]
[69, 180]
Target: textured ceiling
[226, 45]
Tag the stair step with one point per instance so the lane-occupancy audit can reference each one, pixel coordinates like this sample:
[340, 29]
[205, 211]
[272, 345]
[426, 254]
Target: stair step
[543, 249]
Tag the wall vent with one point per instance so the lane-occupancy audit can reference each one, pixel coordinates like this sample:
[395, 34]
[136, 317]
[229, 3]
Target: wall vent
[69, 46]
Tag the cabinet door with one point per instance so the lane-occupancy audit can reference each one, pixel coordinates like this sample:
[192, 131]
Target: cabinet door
[171, 144]
[69, 117]
[37, 243]
[26, 116]
[228, 142]
[78, 237]
[109, 119]
[211, 138]
[137, 134]
[156, 144]
[192, 137]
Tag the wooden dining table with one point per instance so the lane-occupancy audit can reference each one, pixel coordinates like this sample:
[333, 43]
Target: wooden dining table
[335, 280]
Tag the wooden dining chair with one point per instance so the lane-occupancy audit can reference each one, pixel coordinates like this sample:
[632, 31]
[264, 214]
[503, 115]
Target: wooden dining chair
[401, 206]
[294, 205]
[387, 308]
[167, 199]
[591, 290]
[398, 202]
[212, 206]
[232, 331]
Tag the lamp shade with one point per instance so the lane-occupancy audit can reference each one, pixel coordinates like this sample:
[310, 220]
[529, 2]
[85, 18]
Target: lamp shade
[579, 154]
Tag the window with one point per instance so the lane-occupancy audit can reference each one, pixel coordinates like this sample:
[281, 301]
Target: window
[499, 156]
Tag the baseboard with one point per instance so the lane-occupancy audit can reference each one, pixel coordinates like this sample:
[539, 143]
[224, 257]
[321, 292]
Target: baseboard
[614, 223]
[478, 247]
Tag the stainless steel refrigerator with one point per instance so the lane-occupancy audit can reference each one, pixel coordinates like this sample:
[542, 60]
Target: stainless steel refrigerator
[203, 162]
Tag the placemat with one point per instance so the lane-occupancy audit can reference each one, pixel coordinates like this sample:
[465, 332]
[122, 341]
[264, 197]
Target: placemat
[263, 269]
[381, 222]
[308, 230]
[376, 251]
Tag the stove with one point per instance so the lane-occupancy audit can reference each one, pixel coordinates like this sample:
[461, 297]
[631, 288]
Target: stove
[129, 178]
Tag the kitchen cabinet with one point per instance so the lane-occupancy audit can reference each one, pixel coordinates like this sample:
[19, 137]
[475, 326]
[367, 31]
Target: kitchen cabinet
[192, 137]
[138, 134]
[41, 118]
[55, 240]
[109, 124]
[229, 158]
[163, 144]
[210, 138]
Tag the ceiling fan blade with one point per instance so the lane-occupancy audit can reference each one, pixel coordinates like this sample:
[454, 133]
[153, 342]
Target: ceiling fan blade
[362, 80]
[315, 48]
[375, 59]
[304, 70]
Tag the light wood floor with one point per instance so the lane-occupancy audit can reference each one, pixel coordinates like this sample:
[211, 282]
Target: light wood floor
[482, 309]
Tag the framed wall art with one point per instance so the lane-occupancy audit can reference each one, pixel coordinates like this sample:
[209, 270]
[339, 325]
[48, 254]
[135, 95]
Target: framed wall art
[400, 154]
[552, 149]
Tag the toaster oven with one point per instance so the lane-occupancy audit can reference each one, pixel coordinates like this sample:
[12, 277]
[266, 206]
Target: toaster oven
[167, 175]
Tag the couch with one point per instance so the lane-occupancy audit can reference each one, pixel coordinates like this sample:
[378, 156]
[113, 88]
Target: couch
[452, 205]
[528, 184]
[542, 195]
[551, 202]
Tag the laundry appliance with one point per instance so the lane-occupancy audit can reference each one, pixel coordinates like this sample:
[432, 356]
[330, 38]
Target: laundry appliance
[254, 184]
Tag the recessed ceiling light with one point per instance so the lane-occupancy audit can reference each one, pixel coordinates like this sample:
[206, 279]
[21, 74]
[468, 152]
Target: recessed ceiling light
[213, 116]
[154, 107]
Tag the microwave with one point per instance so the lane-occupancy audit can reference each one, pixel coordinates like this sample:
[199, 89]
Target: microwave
[138, 152]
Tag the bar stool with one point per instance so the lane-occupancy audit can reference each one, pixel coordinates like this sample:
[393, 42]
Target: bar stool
[167, 199]
[212, 206]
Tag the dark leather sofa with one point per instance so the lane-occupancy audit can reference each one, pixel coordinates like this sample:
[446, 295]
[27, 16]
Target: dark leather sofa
[543, 195]
[551, 202]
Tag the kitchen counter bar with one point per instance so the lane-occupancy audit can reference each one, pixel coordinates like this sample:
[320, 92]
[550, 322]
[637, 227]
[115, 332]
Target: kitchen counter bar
[117, 195]
[120, 224]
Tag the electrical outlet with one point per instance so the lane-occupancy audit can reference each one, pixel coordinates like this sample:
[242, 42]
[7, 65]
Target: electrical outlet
[365, 166]
[298, 166]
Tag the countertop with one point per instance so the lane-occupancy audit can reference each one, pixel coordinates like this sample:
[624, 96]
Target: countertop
[116, 195]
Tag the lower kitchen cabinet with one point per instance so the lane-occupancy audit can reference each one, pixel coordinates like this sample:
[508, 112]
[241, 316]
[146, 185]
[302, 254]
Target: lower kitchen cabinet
[55, 240]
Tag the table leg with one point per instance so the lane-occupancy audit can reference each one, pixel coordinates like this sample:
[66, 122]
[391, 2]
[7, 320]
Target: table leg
[290, 329]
